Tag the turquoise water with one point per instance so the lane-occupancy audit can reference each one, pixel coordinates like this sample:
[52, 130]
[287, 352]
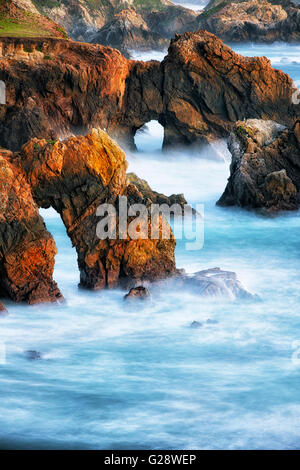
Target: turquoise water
[124, 378]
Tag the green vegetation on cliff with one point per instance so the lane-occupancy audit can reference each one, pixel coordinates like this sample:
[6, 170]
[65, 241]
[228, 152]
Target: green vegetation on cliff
[16, 21]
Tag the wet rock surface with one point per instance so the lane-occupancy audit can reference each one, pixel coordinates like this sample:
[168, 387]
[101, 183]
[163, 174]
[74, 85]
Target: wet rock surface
[213, 283]
[138, 293]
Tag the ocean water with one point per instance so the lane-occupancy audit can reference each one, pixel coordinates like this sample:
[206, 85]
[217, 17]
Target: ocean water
[195, 5]
[116, 377]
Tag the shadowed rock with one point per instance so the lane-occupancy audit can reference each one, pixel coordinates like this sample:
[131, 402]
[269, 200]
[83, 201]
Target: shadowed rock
[265, 171]
[128, 30]
[138, 293]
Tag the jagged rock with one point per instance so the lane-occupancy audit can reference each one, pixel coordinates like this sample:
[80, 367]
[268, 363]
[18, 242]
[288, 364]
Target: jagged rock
[197, 93]
[128, 30]
[210, 283]
[75, 177]
[218, 283]
[152, 196]
[264, 172]
[174, 19]
[27, 250]
[255, 20]
[82, 18]
[140, 293]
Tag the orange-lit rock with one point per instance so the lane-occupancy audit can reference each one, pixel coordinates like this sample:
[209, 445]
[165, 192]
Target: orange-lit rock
[75, 177]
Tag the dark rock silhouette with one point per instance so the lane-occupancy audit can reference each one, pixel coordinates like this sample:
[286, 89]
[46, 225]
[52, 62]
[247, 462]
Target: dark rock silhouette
[138, 293]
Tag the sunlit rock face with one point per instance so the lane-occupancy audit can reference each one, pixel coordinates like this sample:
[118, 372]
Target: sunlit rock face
[74, 177]
[27, 249]
[197, 93]
[264, 172]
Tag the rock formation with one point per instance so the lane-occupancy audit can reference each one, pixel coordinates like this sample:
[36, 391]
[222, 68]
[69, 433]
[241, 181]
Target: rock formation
[138, 293]
[128, 30]
[152, 196]
[253, 20]
[74, 177]
[27, 249]
[265, 169]
[210, 283]
[197, 93]
[90, 21]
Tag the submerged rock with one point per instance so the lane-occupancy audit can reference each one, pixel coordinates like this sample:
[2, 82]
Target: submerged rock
[264, 172]
[217, 283]
[32, 355]
[140, 293]
[211, 283]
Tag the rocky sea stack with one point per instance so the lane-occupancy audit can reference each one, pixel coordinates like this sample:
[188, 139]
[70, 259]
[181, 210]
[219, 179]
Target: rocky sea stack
[265, 170]
[74, 177]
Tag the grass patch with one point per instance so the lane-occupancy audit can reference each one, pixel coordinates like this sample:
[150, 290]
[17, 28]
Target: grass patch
[206, 14]
[10, 28]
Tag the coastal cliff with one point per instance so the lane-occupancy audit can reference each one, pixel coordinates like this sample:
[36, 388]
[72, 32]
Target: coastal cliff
[252, 20]
[56, 87]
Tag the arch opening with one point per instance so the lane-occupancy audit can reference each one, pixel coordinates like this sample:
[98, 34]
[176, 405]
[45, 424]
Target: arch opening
[149, 138]
[66, 271]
